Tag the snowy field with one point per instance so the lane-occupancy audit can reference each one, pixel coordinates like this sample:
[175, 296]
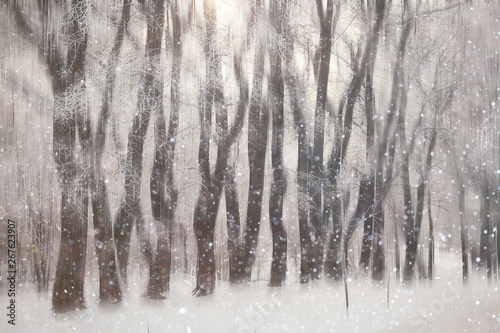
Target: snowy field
[444, 306]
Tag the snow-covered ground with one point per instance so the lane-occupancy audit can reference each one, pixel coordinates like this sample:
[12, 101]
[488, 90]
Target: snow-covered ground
[444, 306]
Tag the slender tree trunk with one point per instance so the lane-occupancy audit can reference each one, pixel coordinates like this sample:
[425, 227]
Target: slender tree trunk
[163, 191]
[368, 183]
[430, 263]
[464, 230]
[233, 218]
[397, 257]
[333, 255]
[419, 208]
[278, 186]
[296, 87]
[342, 139]
[207, 207]
[109, 286]
[378, 266]
[316, 173]
[72, 174]
[365, 208]
[484, 243]
[233, 225]
[258, 122]
[148, 97]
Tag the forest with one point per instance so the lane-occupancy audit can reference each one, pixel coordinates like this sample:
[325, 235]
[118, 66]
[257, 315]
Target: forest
[284, 141]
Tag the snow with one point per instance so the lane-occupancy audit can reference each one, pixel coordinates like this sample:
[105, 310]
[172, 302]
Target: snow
[444, 305]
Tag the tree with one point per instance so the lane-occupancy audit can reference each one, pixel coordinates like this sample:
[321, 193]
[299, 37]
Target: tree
[366, 196]
[327, 22]
[109, 284]
[212, 184]
[258, 122]
[69, 117]
[163, 192]
[278, 188]
[149, 101]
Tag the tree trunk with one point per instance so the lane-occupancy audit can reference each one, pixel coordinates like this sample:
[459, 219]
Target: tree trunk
[296, 87]
[485, 244]
[315, 165]
[109, 286]
[278, 186]
[464, 230]
[208, 203]
[430, 263]
[163, 191]
[258, 119]
[369, 183]
[415, 232]
[233, 218]
[148, 96]
[342, 139]
[397, 257]
[72, 174]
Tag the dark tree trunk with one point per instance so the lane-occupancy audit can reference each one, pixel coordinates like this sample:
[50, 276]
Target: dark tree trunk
[315, 166]
[378, 266]
[233, 218]
[148, 97]
[415, 232]
[296, 87]
[368, 183]
[258, 119]
[335, 253]
[72, 174]
[278, 186]
[207, 207]
[233, 225]
[365, 196]
[397, 257]
[202, 223]
[163, 191]
[430, 263]
[484, 243]
[464, 230]
[109, 286]
[408, 223]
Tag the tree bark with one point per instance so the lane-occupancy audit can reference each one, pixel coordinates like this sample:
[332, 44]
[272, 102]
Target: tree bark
[485, 212]
[415, 232]
[368, 183]
[109, 285]
[366, 195]
[315, 164]
[296, 86]
[69, 94]
[207, 207]
[279, 185]
[148, 98]
[233, 218]
[258, 122]
[430, 263]
[162, 186]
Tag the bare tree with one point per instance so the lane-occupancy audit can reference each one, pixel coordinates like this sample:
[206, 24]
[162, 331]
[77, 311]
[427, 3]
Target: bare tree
[109, 286]
[316, 171]
[366, 197]
[163, 192]
[70, 116]
[258, 122]
[149, 102]
[278, 188]
[212, 184]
